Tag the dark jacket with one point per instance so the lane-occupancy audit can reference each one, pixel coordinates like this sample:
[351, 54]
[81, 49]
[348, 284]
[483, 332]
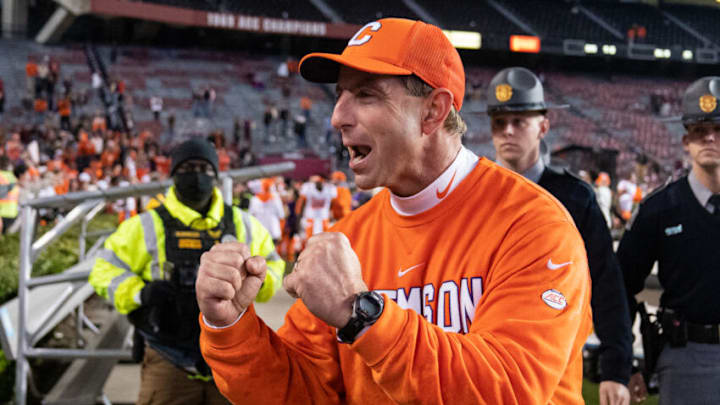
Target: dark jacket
[609, 306]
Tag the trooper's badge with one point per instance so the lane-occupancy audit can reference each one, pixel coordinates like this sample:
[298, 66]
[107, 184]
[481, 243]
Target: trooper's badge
[708, 103]
[503, 92]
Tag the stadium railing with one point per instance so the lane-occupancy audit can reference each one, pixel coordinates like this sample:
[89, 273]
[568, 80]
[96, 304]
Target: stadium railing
[33, 313]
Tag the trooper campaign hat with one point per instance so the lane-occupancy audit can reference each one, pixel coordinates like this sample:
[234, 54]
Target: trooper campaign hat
[700, 101]
[516, 89]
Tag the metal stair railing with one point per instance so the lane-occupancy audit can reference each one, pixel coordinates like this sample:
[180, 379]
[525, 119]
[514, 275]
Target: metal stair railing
[85, 207]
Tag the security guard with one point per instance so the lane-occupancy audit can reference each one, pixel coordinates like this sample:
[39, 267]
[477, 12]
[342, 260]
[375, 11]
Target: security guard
[9, 193]
[148, 269]
[678, 226]
[517, 109]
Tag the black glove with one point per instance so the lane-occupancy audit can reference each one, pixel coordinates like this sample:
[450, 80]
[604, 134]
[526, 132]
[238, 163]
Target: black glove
[157, 293]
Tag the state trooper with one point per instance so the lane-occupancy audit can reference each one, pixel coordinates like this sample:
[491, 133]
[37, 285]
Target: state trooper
[148, 267]
[678, 226]
[518, 119]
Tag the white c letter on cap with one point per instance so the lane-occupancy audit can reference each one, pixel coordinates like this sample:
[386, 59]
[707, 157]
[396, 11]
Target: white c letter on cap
[373, 26]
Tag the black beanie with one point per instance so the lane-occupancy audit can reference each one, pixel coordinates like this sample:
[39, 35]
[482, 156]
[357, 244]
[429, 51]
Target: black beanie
[194, 148]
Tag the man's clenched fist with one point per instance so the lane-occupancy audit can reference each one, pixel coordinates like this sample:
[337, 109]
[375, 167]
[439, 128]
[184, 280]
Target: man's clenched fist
[327, 276]
[228, 281]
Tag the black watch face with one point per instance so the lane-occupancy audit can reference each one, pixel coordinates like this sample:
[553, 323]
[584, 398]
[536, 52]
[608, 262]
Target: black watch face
[368, 307]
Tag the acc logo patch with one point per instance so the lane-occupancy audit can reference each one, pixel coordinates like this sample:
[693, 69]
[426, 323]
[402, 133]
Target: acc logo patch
[503, 92]
[554, 299]
[708, 103]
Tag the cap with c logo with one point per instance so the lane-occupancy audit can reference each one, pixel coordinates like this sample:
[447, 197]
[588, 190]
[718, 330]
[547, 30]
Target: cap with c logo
[398, 47]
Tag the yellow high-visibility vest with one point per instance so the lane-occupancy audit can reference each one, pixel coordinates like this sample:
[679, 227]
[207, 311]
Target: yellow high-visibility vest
[9, 193]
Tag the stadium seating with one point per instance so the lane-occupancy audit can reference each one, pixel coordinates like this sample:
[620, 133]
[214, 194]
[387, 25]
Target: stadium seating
[473, 16]
[703, 19]
[606, 112]
[543, 16]
[360, 12]
[173, 75]
[660, 31]
[296, 9]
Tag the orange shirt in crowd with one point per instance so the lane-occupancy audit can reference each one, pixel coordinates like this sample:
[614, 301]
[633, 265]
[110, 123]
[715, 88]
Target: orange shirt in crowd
[638, 196]
[96, 167]
[108, 158]
[62, 176]
[475, 311]
[162, 164]
[64, 107]
[223, 160]
[31, 69]
[13, 148]
[342, 204]
[33, 173]
[99, 124]
[41, 105]
[85, 146]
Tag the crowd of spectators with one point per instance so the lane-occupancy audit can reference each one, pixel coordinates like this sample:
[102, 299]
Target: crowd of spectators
[66, 143]
[69, 144]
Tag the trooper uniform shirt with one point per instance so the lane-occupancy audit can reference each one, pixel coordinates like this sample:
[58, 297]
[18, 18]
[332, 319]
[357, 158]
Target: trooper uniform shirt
[609, 308]
[675, 229]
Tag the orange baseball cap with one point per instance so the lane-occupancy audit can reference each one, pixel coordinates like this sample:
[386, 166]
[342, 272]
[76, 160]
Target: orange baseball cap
[398, 47]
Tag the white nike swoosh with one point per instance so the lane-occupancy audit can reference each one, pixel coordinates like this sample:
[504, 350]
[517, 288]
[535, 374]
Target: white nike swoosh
[402, 272]
[553, 266]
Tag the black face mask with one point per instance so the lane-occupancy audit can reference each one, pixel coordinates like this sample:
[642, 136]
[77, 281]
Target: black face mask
[194, 187]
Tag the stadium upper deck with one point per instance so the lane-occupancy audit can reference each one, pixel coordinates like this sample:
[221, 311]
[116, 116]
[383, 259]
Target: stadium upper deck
[667, 26]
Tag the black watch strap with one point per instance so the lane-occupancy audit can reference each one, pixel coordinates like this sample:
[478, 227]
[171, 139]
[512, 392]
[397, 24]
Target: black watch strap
[367, 308]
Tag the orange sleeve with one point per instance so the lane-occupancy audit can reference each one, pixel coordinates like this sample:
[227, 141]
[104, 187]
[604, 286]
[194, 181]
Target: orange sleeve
[254, 365]
[504, 358]
[342, 204]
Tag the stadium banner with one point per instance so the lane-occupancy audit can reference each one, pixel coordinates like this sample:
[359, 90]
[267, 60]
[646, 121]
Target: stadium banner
[231, 21]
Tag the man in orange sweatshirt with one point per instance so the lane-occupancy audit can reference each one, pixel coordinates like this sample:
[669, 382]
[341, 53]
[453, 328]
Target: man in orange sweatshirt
[459, 283]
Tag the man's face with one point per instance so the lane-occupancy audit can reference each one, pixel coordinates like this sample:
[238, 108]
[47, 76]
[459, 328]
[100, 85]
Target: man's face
[702, 143]
[194, 182]
[516, 136]
[380, 123]
[195, 166]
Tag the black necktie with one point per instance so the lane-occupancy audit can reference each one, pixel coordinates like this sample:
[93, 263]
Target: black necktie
[715, 202]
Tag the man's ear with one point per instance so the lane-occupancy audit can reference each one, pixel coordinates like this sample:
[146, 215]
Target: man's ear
[544, 126]
[435, 110]
[686, 142]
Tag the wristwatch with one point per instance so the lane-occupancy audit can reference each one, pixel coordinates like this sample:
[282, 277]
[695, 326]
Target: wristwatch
[367, 308]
